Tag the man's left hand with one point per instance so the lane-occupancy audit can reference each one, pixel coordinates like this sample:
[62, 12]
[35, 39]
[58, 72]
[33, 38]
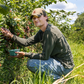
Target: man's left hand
[19, 55]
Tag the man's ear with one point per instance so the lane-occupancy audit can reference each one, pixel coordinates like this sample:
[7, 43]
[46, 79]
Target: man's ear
[46, 17]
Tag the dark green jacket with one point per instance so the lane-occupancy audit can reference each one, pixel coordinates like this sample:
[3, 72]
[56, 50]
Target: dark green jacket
[54, 46]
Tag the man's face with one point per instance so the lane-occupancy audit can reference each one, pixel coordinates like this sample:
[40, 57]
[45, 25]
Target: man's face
[39, 21]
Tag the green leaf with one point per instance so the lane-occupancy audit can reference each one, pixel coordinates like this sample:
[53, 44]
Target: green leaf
[4, 9]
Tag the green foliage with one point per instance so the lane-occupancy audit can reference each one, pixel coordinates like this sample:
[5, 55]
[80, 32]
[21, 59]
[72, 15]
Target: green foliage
[18, 22]
[4, 9]
[78, 57]
[79, 23]
[60, 19]
[77, 35]
[27, 77]
[75, 32]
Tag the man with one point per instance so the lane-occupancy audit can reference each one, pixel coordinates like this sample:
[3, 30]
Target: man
[56, 58]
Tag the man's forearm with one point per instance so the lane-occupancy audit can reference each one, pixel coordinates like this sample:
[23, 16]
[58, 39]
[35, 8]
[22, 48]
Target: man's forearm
[11, 36]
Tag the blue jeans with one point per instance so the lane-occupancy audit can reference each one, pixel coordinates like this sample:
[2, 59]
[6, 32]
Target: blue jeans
[51, 67]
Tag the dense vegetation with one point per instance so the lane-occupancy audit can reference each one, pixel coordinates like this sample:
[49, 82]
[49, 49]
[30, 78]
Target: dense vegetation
[17, 20]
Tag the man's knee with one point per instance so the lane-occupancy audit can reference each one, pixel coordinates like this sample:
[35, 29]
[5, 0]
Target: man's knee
[31, 65]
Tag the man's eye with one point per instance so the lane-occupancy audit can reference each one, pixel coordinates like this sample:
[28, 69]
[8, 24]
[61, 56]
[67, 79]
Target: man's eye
[34, 18]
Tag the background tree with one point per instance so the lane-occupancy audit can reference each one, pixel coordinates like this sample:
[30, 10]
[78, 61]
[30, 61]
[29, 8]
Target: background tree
[79, 23]
[77, 29]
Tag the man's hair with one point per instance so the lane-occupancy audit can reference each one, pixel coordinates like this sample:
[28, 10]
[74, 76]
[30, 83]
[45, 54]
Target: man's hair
[44, 14]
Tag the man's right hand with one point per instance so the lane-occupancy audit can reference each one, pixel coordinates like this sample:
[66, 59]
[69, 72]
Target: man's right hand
[6, 32]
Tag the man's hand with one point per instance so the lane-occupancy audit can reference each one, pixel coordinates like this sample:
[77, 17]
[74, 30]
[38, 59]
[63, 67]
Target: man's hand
[6, 32]
[19, 55]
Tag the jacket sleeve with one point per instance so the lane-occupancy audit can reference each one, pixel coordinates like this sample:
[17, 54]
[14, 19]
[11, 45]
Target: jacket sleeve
[48, 45]
[31, 40]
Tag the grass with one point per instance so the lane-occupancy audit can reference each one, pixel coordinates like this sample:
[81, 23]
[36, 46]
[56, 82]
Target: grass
[78, 57]
[27, 77]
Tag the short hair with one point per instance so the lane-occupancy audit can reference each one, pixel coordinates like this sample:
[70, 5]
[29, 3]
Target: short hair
[44, 14]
